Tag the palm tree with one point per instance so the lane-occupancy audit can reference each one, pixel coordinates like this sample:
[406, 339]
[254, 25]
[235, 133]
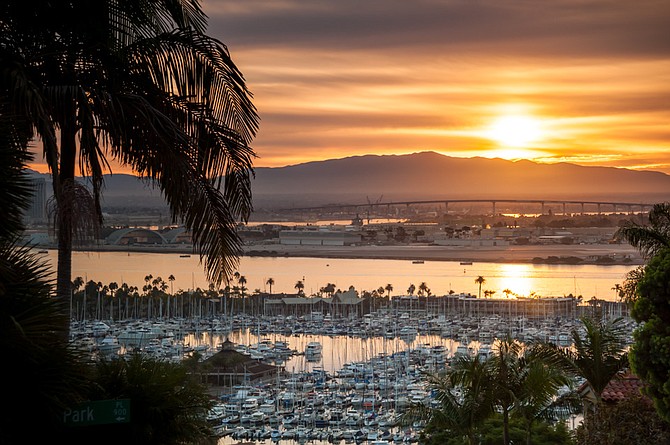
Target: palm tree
[140, 84]
[389, 289]
[113, 286]
[270, 282]
[651, 239]
[539, 395]
[480, 280]
[597, 355]
[465, 396]
[77, 283]
[507, 292]
[299, 285]
[329, 289]
[423, 289]
[523, 383]
[171, 279]
[411, 289]
[32, 323]
[242, 280]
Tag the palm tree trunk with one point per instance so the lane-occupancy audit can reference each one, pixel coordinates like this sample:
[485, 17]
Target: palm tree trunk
[64, 192]
[506, 427]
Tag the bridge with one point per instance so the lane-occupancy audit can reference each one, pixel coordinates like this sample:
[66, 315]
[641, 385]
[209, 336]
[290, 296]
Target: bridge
[599, 206]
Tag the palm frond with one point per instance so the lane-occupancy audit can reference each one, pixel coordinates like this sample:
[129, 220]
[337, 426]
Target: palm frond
[649, 239]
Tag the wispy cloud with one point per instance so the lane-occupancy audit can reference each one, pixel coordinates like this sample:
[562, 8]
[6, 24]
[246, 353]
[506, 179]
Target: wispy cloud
[350, 77]
[388, 76]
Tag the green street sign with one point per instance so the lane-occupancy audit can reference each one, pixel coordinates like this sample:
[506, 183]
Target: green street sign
[98, 412]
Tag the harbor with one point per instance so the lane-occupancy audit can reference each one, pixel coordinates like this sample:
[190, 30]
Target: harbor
[332, 367]
[322, 379]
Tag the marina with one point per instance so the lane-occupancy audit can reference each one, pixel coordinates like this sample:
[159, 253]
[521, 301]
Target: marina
[313, 371]
[337, 380]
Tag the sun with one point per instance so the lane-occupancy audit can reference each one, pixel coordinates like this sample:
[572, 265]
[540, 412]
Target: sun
[517, 131]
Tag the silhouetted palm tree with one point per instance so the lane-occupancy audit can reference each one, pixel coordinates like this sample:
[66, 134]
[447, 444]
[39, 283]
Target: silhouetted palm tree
[77, 283]
[299, 285]
[480, 280]
[33, 325]
[171, 279]
[242, 280]
[270, 282]
[141, 84]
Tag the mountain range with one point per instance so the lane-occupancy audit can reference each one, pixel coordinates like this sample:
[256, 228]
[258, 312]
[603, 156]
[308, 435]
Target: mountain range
[420, 176]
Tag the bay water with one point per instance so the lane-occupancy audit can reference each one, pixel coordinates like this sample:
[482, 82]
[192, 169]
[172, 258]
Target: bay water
[542, 280]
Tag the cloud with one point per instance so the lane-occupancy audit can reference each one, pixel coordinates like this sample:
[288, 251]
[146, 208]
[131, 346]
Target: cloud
[574, 28]
[340, 78]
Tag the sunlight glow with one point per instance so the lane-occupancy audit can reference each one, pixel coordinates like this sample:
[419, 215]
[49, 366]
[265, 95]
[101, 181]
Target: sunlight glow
[514, 131]
[513, 277]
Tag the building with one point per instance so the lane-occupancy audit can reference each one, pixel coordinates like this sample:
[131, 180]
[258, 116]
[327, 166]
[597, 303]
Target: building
[341, 304]
[319, 237]
[229, 368]
[37, 212]
[135, 235]
[623, 386]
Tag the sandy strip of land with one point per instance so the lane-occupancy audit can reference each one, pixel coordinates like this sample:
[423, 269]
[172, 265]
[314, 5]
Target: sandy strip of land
[621, 253]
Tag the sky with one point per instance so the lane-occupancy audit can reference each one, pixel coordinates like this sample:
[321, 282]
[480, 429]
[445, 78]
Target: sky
[580, 81]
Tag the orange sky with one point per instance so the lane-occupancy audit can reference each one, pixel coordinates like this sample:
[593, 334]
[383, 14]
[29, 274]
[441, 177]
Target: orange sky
[582, 81]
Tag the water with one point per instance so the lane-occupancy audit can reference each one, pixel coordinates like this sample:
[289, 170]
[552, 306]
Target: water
[364, 274]
[338, 350]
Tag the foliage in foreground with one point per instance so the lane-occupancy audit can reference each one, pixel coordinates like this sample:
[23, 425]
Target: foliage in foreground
[167, 406]
[650, 354]
[598, 355]
[45, 376]
[491, 431]
[41, 374]
[515, 385]
[631, 421]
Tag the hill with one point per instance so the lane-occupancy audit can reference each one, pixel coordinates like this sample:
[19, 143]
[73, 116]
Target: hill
[420, 176]
[429, 175]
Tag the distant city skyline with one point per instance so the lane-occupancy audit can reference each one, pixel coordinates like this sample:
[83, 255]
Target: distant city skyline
[577, 81]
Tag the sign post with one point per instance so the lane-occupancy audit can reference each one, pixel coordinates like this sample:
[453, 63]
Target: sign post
[98, 412]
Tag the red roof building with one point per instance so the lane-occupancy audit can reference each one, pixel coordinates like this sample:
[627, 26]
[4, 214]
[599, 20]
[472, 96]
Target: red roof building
[623, 386]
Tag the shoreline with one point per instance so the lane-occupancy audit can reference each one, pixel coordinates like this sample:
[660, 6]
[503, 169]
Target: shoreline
[613, 254]
[619, 254]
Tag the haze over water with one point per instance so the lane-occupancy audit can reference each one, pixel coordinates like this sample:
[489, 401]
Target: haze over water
[364, 274]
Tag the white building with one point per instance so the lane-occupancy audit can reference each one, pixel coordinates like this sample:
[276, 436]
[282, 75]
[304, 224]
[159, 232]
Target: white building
[319, 237]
